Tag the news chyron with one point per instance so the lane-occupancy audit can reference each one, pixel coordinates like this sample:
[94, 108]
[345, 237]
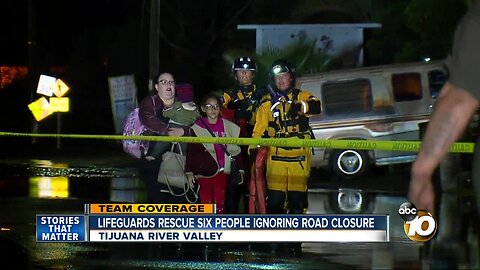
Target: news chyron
[419, 225]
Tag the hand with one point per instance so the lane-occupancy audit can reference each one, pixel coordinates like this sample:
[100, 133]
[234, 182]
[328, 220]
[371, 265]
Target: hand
[295, 110]
[421, 193]
[191, 179]
[253, 152]
[242, 175]
[176, 132]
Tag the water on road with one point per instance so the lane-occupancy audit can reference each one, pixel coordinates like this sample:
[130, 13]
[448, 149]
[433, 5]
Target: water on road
[31, 187]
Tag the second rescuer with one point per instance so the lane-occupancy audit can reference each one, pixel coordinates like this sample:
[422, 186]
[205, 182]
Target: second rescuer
[285, 113]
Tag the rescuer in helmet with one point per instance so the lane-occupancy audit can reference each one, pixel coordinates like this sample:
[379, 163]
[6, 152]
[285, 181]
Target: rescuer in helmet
[284, 113]
[245, 97]
[241, 103]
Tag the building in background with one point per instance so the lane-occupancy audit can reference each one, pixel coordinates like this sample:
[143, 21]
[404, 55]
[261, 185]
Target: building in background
[341, 41]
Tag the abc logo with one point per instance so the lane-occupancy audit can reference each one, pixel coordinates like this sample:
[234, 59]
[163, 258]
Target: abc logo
[419, 225]
[407, 211]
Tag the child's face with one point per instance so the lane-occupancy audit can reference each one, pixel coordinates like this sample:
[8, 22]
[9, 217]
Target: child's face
[211, 108]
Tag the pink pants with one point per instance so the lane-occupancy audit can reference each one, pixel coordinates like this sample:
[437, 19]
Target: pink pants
[212, 190]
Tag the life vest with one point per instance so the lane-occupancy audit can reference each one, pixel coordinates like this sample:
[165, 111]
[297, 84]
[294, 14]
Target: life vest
[281, 124]
[241, 93]
[248, 99]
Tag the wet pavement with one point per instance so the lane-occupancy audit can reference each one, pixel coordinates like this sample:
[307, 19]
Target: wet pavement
[62, 185]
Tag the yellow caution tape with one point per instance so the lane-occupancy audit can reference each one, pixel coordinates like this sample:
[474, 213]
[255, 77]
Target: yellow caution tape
[409, 146]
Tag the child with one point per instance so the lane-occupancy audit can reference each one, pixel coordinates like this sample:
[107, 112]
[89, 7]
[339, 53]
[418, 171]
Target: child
[178, 115]
[207, 163]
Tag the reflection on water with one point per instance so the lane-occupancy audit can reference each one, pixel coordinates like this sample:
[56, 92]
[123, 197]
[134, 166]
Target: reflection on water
[31, 188]
[349, 201]
[44, 187]
[364, 255]
[125, 189]
[47, 179]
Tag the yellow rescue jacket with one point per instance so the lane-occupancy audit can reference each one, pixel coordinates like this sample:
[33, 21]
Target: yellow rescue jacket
[253, 96]
[288, 169]
[286, 117]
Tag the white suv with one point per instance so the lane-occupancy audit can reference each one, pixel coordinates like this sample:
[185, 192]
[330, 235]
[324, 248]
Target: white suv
[372, 103]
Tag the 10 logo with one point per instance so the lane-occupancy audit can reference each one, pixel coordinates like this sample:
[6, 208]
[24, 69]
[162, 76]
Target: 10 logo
[419, 225]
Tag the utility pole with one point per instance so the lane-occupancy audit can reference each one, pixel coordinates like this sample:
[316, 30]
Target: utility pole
[154, 41]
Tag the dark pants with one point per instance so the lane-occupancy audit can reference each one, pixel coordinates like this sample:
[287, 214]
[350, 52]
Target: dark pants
[232, 198]
[236, 192]
[295, 200]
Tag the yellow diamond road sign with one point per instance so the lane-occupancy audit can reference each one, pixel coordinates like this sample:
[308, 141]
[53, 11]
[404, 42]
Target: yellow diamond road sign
[40, 108]
[59, 104]
[59, 88]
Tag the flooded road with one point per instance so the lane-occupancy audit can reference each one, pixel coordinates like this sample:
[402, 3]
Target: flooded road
[31, 187]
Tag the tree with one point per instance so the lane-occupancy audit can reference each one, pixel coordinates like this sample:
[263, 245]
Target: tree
[433, 26]
[413, 29]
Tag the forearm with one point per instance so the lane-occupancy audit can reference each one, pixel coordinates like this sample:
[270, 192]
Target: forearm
[452, 114]
[147, 114]
[261, 121]
[186, 130]
[310, 104]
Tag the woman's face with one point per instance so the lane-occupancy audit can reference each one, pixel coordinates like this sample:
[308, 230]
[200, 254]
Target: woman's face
[211, 108]
[165, 87]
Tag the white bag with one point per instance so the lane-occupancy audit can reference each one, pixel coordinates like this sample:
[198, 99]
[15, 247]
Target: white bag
[172, 168]
[172, 172]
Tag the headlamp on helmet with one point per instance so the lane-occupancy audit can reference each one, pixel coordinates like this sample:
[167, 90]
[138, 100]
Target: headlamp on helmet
[244, 63]
[279, 69]
[282, 66]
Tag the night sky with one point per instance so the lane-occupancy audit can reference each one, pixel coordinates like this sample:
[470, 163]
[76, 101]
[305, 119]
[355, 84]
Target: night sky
[72, 40]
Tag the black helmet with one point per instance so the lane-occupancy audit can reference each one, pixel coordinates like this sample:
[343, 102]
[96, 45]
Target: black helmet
[282, 66]
[244, 63]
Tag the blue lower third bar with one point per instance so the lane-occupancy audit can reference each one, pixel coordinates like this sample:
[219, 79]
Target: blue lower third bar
[60, 228]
